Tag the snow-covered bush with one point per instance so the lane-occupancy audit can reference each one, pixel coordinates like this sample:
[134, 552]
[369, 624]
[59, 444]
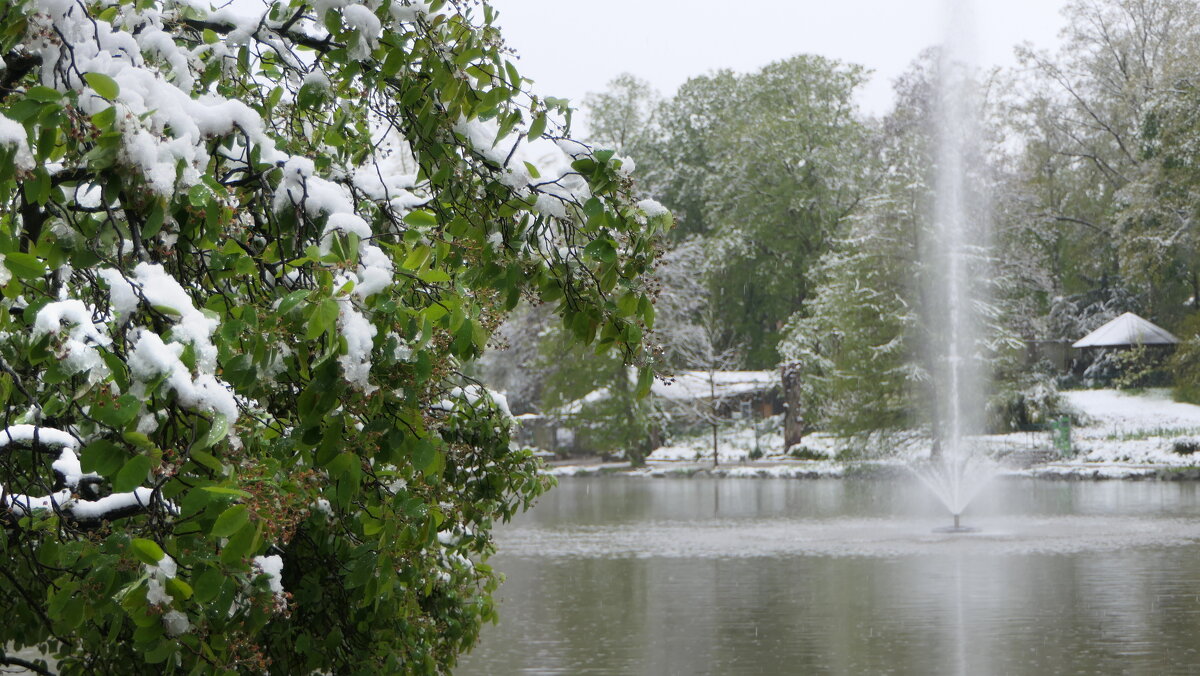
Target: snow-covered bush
[245, 254]
[1031, 403]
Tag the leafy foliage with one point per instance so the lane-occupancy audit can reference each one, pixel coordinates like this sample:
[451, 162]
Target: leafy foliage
[245, 259]
[1185, 363]
[764, 165]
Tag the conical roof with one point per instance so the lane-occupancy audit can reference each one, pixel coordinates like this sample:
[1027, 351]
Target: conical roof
[1126, 330]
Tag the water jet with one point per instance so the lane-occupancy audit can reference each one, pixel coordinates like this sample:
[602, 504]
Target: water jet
[954, 273]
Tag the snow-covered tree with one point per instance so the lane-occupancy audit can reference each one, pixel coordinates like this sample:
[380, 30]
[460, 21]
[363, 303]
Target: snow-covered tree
[690, 333]
[246, 253]
[1105, 126]
[623, 116]
[863, 351]
[763, 164]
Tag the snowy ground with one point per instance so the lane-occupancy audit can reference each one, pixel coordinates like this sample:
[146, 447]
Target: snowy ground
[1124, 435]
[1129, 434]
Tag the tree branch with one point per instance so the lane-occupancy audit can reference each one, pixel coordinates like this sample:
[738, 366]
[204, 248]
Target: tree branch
[9, 660]
[18, 66]
[303, 39]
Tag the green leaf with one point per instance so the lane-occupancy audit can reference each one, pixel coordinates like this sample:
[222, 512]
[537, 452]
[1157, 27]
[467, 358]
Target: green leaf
[433, 276]
[208, 585]
[179, 589]
[216, 432]
[421, 218]
[133, 474]
[37, 187]
[103, 457]
[230, 521]
[207, 460]
[627, 304]
[105, 118]
[538, 126]
[241, 545]
[104, 85]
[416, 258]
[601, 249]
[292, 300]
[423, 456]
[147, 550]
[645, 380]
[333, 439]
[118, 368]
[225, 490]
[154, 221]
[116, 413]
[323, 318]
[139, 440]
[23, 265]
[42, 94]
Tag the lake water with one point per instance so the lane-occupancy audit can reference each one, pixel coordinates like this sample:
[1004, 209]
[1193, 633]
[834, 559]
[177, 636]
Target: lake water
[745, 576]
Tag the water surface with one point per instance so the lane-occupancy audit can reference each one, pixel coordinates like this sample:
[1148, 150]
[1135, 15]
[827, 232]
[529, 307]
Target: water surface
[728, 576]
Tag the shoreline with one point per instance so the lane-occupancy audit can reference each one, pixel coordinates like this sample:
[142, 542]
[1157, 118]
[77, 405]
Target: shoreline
[1133, 436]
[866, 469]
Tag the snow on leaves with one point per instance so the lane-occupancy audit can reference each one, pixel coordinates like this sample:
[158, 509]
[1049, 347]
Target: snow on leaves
[246, 257]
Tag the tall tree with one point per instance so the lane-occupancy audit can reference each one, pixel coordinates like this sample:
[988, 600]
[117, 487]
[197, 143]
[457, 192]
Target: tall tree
[860, 353]
[1093, 126]
[624, 116]
[764, 165]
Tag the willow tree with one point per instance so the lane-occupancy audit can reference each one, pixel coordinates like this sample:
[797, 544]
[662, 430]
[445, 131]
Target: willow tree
[244, 258]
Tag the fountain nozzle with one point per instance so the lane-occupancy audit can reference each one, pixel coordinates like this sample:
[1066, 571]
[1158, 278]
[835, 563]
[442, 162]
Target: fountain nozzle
[957, 527]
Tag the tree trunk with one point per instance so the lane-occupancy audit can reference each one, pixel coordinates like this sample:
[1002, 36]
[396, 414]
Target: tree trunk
[793, 414]
[716, 458]
[935, 425]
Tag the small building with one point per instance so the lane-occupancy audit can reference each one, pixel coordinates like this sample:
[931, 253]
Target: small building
[760, 390]
[1128, 330]
[1099, 359]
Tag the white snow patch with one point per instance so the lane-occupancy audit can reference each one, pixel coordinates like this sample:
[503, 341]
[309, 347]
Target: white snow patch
[272, 567]
[176, 623]
[693, 385]
[653, 209]
[74, 313]
[151, 357]
[368, 26]
[360, 340]
[12, 133]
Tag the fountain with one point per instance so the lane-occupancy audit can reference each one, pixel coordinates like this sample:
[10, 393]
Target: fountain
[955, 263]
[956, 478]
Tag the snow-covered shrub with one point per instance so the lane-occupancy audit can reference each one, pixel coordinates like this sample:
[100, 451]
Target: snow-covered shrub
[246, 254]
[1032, 403]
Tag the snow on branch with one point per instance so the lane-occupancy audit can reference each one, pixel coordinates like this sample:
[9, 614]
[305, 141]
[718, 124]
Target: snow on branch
[70, 474]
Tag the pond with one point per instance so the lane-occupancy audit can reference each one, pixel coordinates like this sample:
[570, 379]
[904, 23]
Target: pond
[742, 576]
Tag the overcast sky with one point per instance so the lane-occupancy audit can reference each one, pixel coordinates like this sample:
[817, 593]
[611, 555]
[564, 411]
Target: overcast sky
[572, 47]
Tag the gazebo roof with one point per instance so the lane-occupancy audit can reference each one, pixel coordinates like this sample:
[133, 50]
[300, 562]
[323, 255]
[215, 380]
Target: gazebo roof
[1125, 331]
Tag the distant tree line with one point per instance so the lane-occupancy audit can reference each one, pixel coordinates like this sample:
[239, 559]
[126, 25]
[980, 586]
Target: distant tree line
[801, 220]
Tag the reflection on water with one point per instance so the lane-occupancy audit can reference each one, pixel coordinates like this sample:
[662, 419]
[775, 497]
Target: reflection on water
[632, 576]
